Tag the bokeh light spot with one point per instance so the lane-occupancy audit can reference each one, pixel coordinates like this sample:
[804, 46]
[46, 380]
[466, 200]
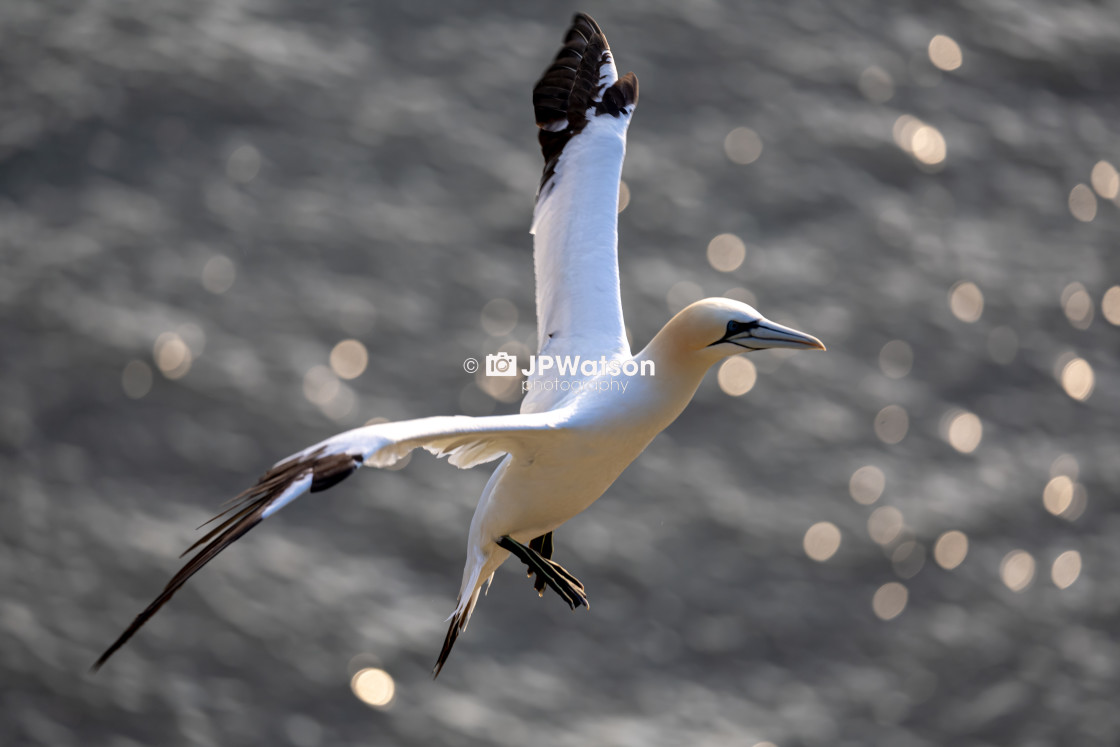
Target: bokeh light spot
[172, 355]
[1077, 506]
[1016, 570]
[623, 195]
[891, 424]
[1110, 305]
[1065, 464]
[741, 294]
[928, 145]
[501, 388]
[136, 379]
[903, 130]
[1063, 496]
[349, 359]
[950, 549]
[964, 432]
[908, 559]
[922, 141]
[742, 145]
[737, 376]
[890, 600]
[966, 301]
[1057, 496]
[1066, 569]
[320, 385]
[374, 687]
[400, 464]
[243, 164]
[1078, 379]
[896, 358]
[499, 317]
[1077, 305]
[218, 274]
[1105, 180]
[193, 335]
[876, 84]
[682, 294]
[726, 252]
[866, 484]
[822, 540]
[944, 53]
[1082, 203]
[884, 524]
[505, 388]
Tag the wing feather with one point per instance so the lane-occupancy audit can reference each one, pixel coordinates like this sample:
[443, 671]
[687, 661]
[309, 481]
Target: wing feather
[465, 441]
[583, 110]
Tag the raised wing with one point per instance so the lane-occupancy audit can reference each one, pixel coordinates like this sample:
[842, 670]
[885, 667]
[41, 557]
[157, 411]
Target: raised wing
[583, 109]
[464, 440]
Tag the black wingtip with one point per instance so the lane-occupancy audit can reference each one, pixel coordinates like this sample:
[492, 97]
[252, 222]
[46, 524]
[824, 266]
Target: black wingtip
[570, 87]
[244, 511]
[247, 510]
[571, 82]
[621, 95]
[195, 564]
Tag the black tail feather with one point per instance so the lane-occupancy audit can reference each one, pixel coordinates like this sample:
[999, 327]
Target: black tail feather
[459, 622]
[448, 642]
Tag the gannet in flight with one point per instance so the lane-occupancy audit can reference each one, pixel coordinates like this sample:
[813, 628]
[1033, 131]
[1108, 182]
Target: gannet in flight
[572, 438]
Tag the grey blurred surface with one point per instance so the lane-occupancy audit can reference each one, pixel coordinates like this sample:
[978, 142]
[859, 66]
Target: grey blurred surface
[368, 169]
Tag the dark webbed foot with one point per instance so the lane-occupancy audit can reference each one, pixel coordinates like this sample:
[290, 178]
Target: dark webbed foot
[543, 545]
[548, 572]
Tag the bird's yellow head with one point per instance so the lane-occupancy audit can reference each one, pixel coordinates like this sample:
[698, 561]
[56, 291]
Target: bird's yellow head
[717, 328]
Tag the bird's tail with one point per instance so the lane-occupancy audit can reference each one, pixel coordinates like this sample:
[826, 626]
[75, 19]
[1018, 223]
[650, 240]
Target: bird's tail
[477, 574]
[459, 619]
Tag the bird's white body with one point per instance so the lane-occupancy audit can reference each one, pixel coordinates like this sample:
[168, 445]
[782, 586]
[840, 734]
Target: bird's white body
[602, 432]
[576, 433]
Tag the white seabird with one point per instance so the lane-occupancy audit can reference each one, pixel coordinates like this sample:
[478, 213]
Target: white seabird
[572, 439]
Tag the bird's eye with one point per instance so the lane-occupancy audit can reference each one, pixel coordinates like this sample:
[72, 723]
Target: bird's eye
[734, 327]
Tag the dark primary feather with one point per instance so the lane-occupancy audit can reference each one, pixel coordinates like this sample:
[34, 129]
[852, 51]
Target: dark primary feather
[245, 512]
[570, 86]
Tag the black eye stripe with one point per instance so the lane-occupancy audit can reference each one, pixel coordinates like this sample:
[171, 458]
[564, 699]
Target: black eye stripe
[734, 327]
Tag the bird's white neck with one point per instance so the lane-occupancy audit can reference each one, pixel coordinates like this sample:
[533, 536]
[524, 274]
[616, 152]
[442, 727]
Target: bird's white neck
[678, 370]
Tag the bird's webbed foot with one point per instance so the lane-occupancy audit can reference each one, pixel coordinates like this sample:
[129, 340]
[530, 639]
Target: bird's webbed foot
[537, 558]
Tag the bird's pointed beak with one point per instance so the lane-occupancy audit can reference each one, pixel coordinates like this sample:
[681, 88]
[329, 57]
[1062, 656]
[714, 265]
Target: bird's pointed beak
[768, 334]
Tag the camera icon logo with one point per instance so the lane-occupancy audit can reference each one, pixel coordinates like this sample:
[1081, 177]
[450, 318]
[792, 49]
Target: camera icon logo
[501, 364]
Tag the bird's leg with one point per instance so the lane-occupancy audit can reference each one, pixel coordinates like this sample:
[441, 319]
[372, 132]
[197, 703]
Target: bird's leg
[543, 545]
[553, 574]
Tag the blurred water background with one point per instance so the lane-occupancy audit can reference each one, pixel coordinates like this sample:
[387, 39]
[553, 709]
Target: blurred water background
[230, 229]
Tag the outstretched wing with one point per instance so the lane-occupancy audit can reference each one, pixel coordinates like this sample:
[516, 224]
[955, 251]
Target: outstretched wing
[464, 440]
[583, 109]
